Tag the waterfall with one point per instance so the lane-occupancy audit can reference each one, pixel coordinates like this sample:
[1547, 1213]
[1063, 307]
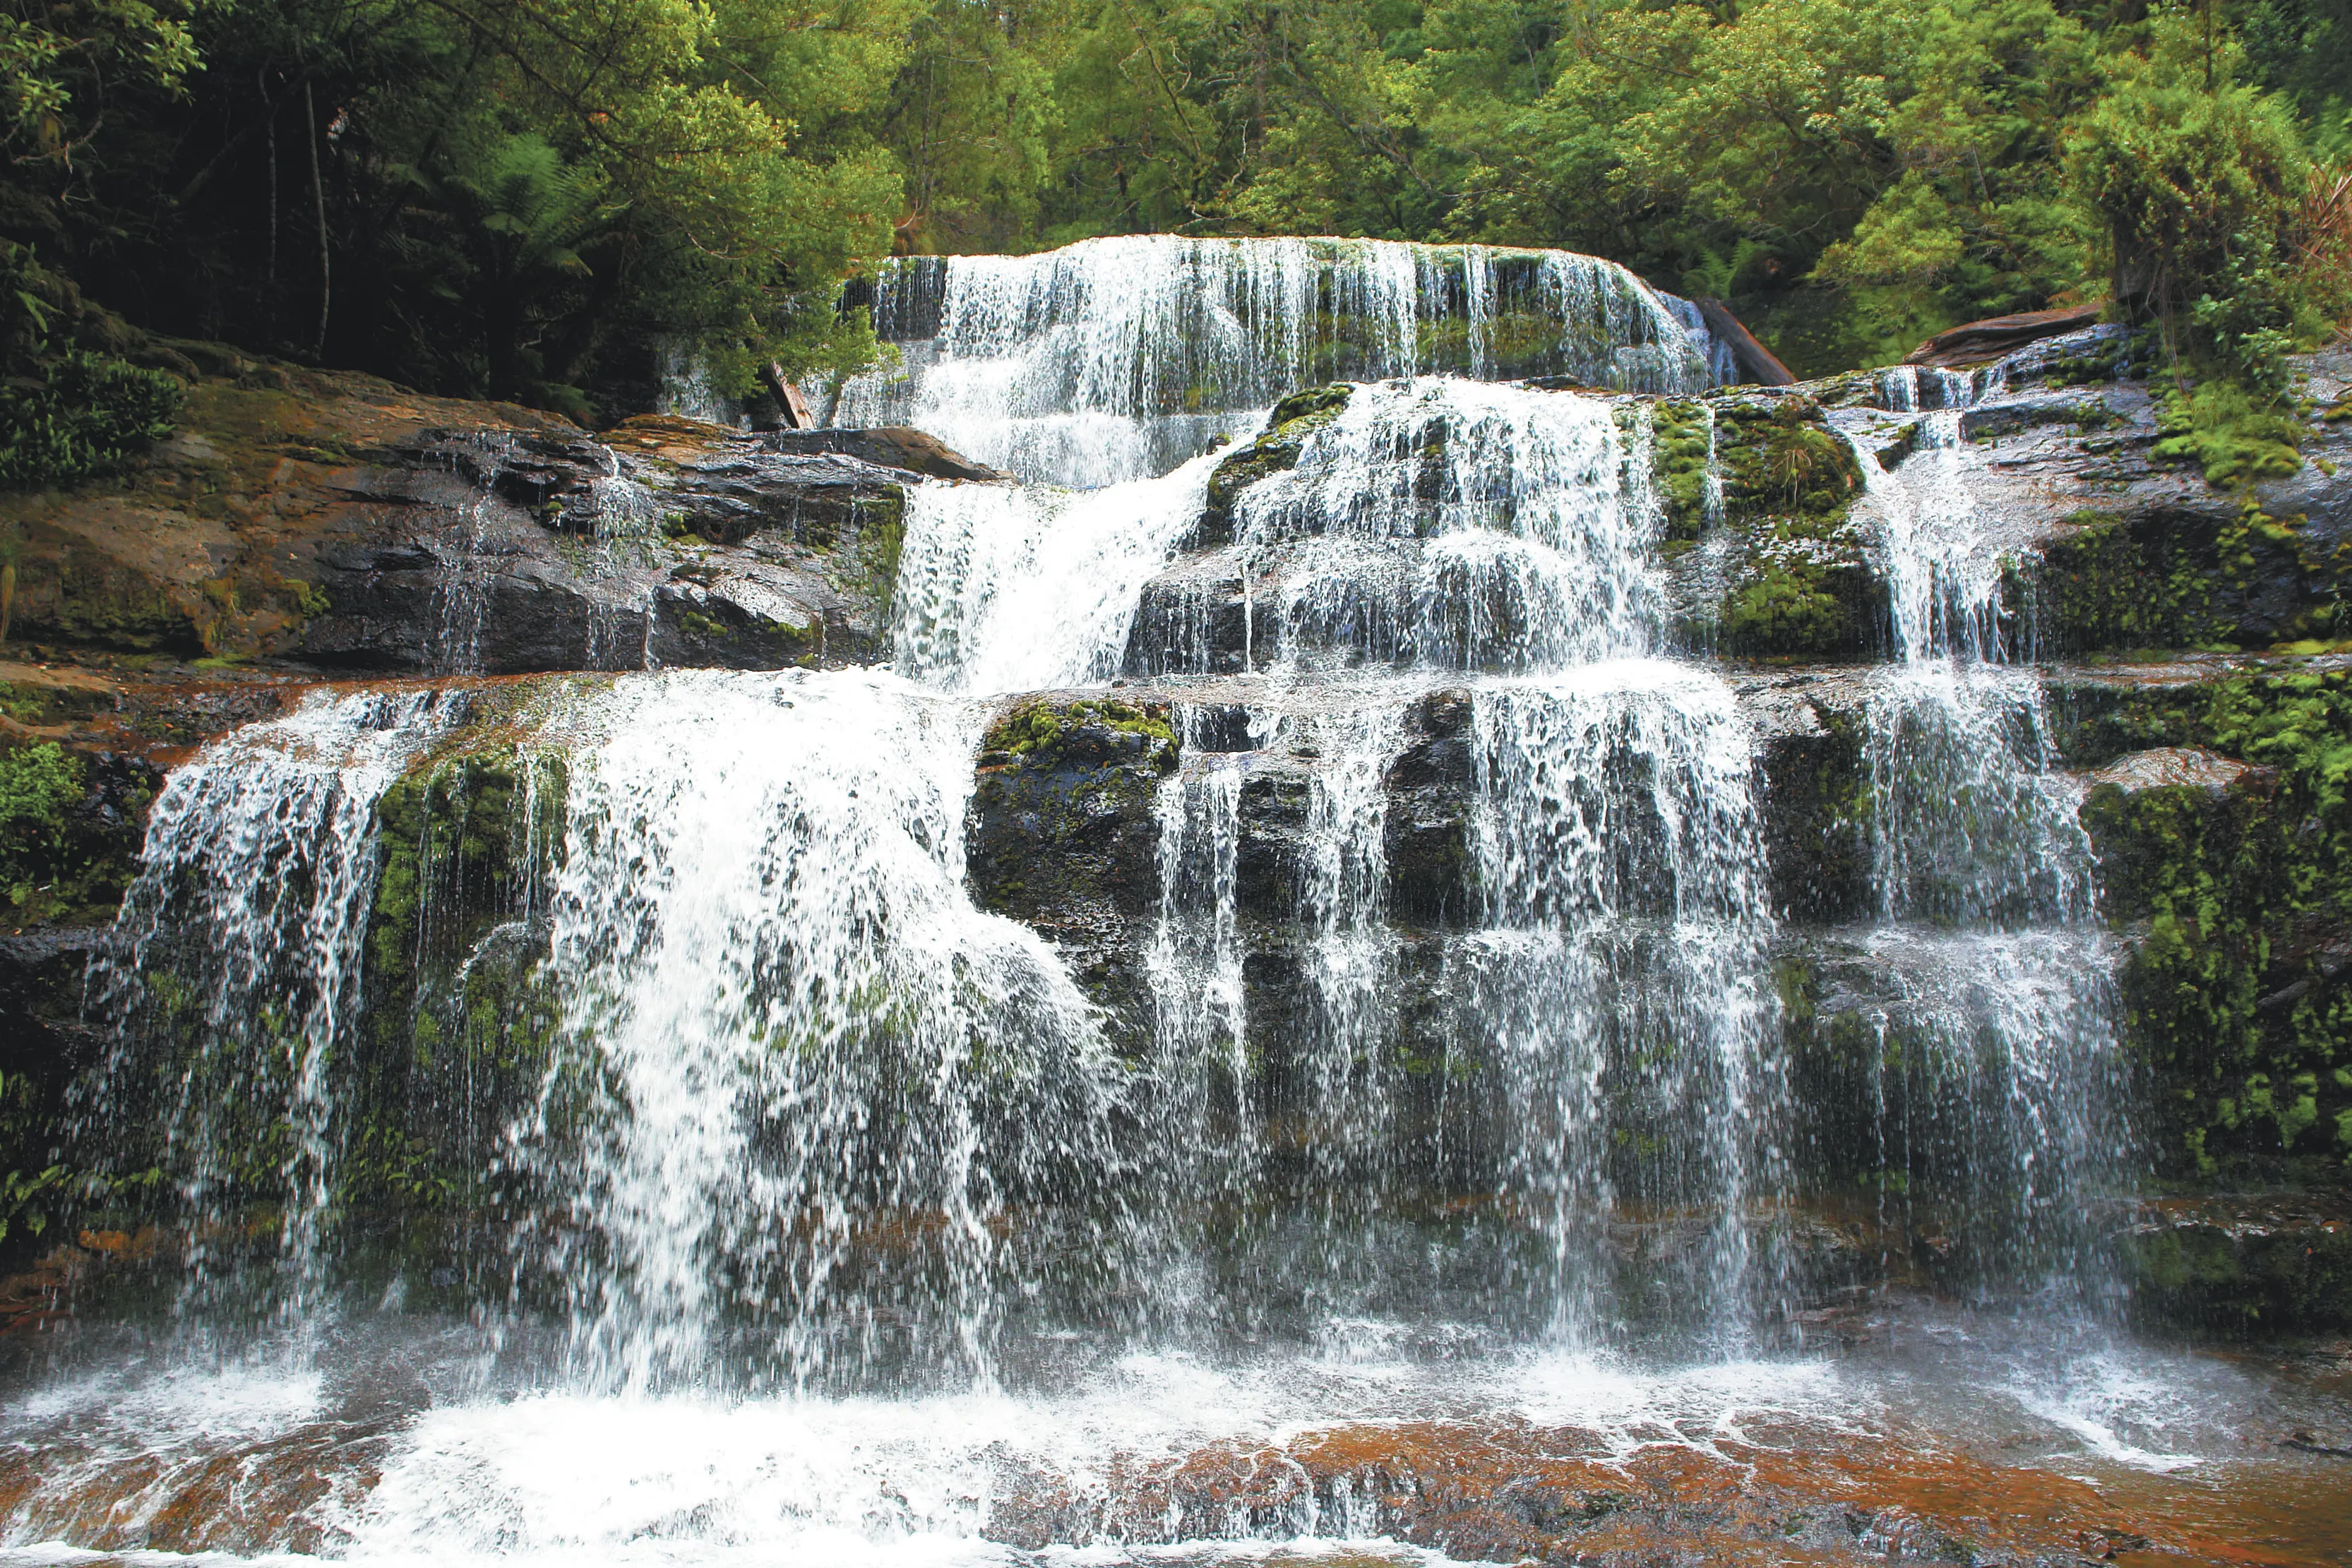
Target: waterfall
[230, 982]
[1619, 979]
[2001, 1030]
[1117, 359]
[1611, 988]
[787, 1033]
[1009, 588]
[639, 1059]
[1521, 543]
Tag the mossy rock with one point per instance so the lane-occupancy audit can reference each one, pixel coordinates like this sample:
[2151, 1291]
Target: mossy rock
[2242, 1270]
[1294, 418]
[1796, 574]
[2238, 991]
[459, 1020]
[1780, 460]
[70, 832]
[2184, 579]
[1062, 830]
[1682, 447]
[1085, 732]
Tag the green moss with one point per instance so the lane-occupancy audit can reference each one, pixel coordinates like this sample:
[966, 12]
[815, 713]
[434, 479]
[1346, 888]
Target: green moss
[1294, 418]
[2183, 580]
[460, 1019]
[2237, 993]
[2220, 1274]
[1682, 436]
[2234, 436]
[61, 860]
[869, 570]
[2102, 361]
[1042, 731]
[1778, 459]
[1784, 609]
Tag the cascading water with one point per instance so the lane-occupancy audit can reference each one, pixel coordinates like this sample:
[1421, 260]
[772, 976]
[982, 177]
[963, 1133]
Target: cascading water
[814, 1213]
[787, 1034]
[1522, 543]
[230, 985]
[1009, 588]
[1610, 991]
[2001, 1033]
[1621, 983]
[1119, 359]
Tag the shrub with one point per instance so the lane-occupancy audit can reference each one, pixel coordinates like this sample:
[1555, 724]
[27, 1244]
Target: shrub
[81, 419]
[39, 785]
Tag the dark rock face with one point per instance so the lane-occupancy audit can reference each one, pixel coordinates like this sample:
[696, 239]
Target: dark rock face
[1061, 833]
[2243, 1266]
[336, 520]
[1429, 788]
[677, 545]
[1294, 418]
[44, 1046]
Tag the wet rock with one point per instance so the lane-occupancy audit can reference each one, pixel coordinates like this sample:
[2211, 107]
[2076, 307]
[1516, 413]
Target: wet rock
[44, 1046]
[2240, 1266]
[680, 544]
[337, 520]
[1194, 618]
[890, 447]
[1294, 418]
[1430, 788]
[2174, 768]
[1061, 831]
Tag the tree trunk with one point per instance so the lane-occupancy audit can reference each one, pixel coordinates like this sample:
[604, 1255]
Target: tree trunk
[271, 272]
[319, 202]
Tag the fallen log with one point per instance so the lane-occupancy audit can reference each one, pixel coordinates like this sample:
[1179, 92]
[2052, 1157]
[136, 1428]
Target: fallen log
[1975, 342]
[1755, 360]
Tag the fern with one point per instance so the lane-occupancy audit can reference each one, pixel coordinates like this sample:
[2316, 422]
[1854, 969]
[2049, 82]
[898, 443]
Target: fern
[1717, 274]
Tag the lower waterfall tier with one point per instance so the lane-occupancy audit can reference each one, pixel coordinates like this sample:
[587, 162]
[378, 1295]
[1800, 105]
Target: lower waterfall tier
[1300, 1042]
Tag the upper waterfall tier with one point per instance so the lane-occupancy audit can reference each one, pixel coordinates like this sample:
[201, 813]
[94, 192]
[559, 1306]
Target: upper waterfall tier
[1118, 359]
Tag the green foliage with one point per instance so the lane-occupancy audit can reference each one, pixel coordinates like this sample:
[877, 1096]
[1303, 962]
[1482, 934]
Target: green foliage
[536, 199]
[1718, 273]
[66, 414]
[2198, 181]
[53, 60]
[39, 785]
[84, 417]
[25, 1198]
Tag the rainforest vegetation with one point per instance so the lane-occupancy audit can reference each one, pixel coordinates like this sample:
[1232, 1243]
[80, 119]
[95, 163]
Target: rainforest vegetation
[529, 199]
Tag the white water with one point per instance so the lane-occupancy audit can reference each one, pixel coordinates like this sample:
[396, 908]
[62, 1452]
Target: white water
[2012, 1081]
[1619, 980]
[1152, 1457]
[1527, 548]
[230, 981]
[1007, 588]
[1117, 359]
[785, 1024]
[857, 1238]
